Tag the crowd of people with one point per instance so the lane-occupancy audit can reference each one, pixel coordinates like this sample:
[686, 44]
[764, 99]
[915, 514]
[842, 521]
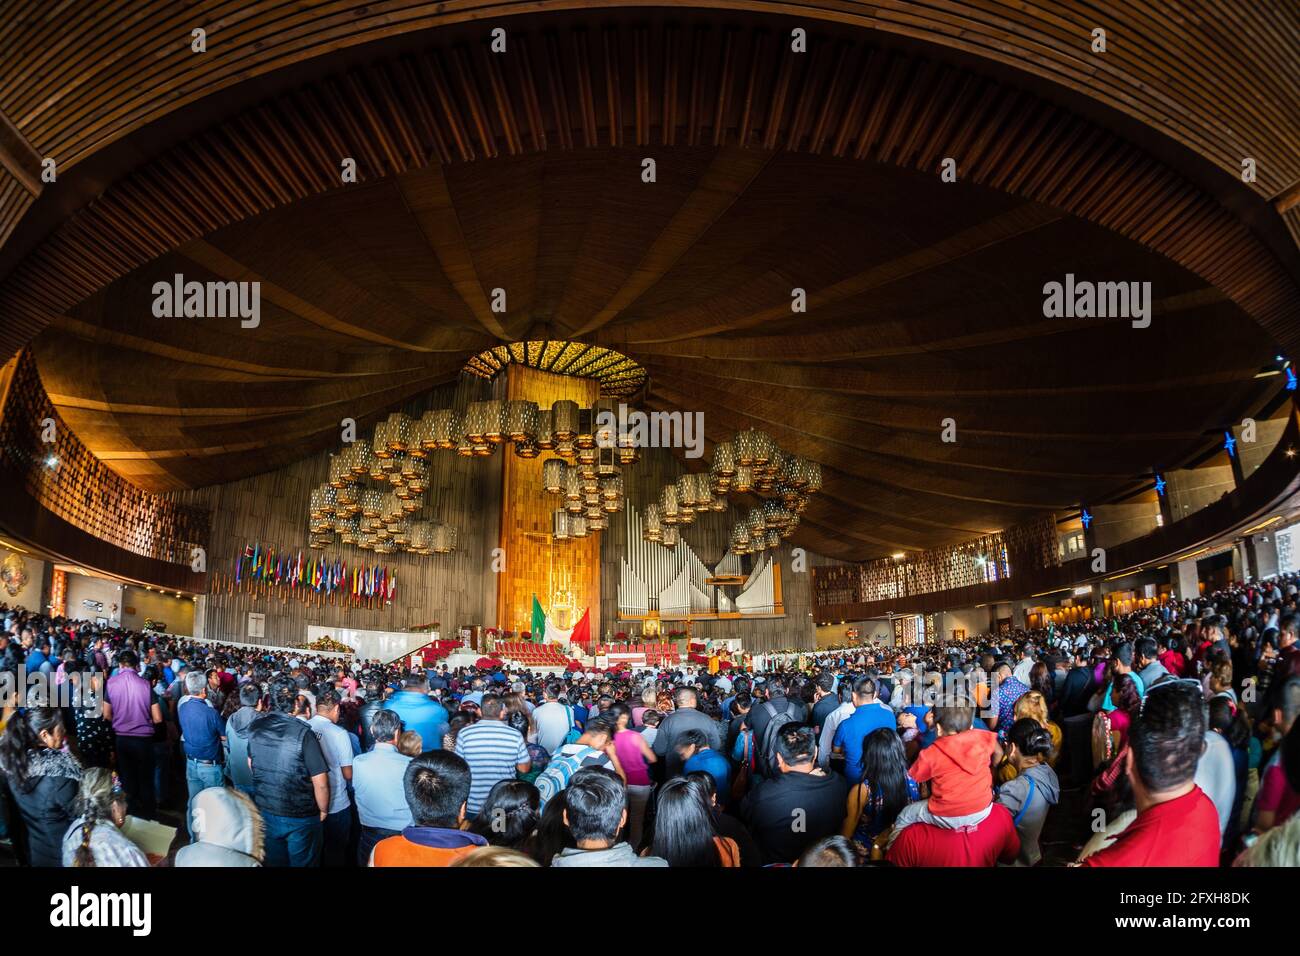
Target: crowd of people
[1163, 738]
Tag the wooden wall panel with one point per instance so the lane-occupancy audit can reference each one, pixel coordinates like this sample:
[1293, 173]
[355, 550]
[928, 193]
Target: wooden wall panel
[453, 589]
[535, 562]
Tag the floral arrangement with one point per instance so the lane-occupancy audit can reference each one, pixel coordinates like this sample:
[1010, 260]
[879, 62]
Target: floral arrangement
[327, 644]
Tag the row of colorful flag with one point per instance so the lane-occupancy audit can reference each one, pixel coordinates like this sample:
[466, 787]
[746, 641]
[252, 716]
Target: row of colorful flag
[313, 573]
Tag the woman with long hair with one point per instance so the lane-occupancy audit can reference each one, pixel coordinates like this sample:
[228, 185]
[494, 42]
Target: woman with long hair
[94, 839]
[552, 836]
[1040, 679]
[509, 815]
[880, 793]
[684, 831]
[92, 732]
[43, 780]
[636, 757]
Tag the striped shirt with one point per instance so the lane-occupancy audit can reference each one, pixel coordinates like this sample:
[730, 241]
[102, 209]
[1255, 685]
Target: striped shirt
[492, 748]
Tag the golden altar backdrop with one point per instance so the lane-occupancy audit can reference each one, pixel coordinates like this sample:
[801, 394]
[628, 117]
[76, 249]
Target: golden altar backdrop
[565, 575]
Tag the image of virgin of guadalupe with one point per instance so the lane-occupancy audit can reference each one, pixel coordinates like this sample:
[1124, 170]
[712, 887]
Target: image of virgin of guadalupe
[13, 574]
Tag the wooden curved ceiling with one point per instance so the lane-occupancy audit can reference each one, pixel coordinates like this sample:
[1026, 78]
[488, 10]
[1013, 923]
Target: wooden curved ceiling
[774, 170]
[1221, 82]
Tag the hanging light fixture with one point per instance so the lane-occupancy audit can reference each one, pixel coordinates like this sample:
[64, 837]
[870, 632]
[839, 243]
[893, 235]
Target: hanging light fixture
[669, 507]
[671, 537]
[363, 458]
[398, 432]
[577, 525]
[604, 423]
[564, 421]
[553, 475]
[560, 525]
[586, 436]
[545, 433]
[521, 420]
[652, 528]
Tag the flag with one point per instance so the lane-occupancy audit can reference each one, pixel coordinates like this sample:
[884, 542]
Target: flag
[582, 630]
[539, 621]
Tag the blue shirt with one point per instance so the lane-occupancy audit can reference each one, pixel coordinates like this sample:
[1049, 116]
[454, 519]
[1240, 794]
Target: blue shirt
[422, 714]
[716, 766]
[201, 728]
[854, 729]
[377, 786]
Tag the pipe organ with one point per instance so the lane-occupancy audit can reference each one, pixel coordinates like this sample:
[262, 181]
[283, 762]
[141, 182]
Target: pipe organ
[672, 583]
[758, 596]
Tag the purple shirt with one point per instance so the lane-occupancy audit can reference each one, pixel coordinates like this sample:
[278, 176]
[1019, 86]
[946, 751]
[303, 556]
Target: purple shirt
[131, 698]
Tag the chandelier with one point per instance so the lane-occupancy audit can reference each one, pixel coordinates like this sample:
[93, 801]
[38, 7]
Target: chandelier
[752, 462]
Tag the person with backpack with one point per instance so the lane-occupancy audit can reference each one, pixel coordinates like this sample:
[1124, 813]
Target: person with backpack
[798, 806]
[594, 748]
[767, 718]
[1034, 790]
[685, 716]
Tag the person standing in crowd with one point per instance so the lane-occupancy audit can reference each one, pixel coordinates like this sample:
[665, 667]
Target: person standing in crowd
[685, 829]
[801, 791]
[553, 719]
[336, 746]
[290, 779]
[635, 756]
[236, 742]
[595, 813]
[868, 714]
[437, 785]
[1033, 790]
[698, 757]
[130, 706]
[494, 750]
[1009, 690]
[686, 715]
[378, 783]
[509, 815]
[595, 748]
[231, 835]
[420, 712]
[43, 782]
[1177, 824]
[202, 738]
[878, 795]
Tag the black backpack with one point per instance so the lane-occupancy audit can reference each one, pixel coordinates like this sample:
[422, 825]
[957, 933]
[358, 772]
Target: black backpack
[767, 746]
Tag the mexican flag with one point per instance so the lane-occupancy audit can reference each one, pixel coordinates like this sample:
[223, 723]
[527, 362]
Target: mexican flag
[582, 631]
[539, 621]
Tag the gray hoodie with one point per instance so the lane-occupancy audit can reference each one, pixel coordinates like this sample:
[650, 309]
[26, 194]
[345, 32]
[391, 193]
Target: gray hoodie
[228, 830]
[620, 854]
[1013, 795]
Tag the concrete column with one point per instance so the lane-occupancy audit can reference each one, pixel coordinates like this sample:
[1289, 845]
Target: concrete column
[1184, 580]
[1261, 556]
[1240, 568]
[200, 618]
